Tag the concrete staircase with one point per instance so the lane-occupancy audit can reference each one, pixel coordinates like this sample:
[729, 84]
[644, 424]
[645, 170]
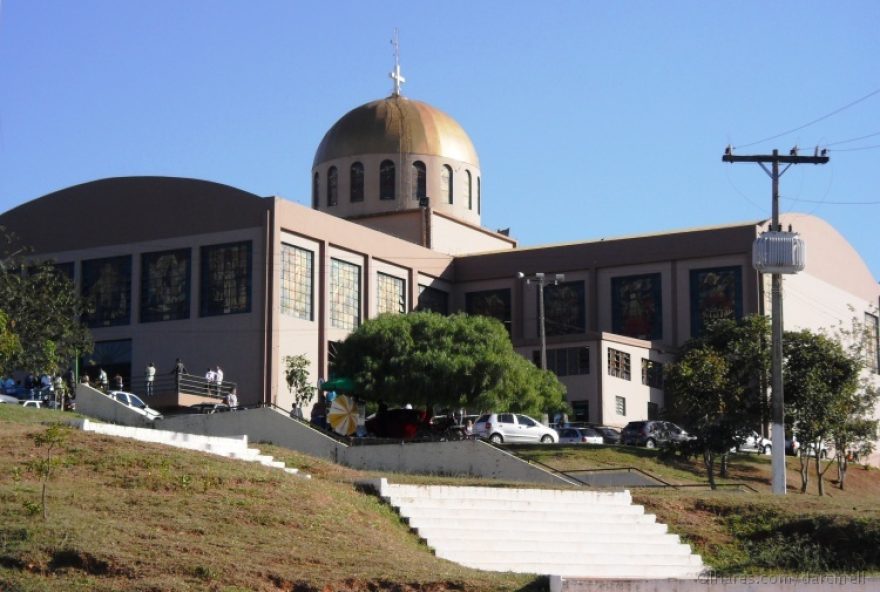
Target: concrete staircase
[229, 447]
[570, 533]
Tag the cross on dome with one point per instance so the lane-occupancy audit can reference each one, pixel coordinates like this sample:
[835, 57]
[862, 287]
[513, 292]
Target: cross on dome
[395, 75]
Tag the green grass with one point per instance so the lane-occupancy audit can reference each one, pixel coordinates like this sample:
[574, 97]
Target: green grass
[126, 515]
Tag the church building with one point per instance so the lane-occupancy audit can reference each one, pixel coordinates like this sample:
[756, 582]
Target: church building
[214, 275]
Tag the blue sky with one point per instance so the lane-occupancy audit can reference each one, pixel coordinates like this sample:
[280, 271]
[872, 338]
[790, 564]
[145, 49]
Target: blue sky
[591, 119]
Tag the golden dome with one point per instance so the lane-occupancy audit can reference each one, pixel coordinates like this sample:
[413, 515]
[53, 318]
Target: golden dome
[396, 125]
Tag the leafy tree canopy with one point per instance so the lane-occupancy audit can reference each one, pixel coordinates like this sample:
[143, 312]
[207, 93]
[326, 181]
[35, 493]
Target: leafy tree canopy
[43, 312]
[452, 361]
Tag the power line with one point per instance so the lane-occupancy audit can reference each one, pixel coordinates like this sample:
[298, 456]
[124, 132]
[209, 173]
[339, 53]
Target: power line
[852, 139]
[872, 147]
[817, 120]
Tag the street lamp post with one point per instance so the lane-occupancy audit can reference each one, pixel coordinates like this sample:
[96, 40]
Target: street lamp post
[541, 280]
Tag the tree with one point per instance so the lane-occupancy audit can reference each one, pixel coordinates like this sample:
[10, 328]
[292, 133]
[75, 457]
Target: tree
[10, 345]
[296, 373]
[55, 435]
[43, 311]
[716, 388]
[823, 397]
[452, 361]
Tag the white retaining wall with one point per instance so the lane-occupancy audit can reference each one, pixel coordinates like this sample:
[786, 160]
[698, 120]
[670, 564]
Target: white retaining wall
[467, 457]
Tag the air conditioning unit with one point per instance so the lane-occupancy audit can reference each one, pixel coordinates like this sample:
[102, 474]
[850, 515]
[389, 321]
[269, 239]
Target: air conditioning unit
[776, 251]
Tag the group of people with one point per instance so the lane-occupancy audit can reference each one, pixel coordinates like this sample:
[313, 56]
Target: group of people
[47, 387]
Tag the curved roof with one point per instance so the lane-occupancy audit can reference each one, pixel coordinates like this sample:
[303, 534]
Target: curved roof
[129, 209]
[394, 125]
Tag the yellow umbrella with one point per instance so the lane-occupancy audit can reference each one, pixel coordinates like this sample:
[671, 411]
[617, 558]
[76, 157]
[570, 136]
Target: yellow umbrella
[343, 415]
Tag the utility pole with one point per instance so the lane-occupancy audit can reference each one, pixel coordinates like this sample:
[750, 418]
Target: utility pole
[777, 433]
[541, 280]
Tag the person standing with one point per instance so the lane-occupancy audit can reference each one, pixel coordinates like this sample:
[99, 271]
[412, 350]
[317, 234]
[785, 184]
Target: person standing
[233, 399]
[218, 378]
[150, 377]
[103, 381]
[118, 382]
[210, 379]
[178, 371]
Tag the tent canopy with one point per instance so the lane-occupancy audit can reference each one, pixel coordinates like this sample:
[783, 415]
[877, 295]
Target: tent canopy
[341, 384]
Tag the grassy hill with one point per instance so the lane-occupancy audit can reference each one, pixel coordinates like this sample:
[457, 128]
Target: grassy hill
[126, 515]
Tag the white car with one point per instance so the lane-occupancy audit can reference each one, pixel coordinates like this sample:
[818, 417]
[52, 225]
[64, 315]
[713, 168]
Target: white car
[513, 427]
[135, 403]
[9, 399]
[754, 442]
[31, 403]
[580, 436]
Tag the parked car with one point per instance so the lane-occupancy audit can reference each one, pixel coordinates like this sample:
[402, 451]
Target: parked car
[752, 441]
[31, 403]
[202, 408]
[580, 436]
[135, 403]
[609, 435]
[652, 433]
[513, 427]
[9, 399]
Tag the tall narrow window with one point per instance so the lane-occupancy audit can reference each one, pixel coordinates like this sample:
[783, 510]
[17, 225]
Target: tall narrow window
[470, 194]
[332, 187]
[419, 181]
[386, 180]
[345, 294]
[390, 294]
[296, 282]
[357, 182]
[478, 195]
[872, 343]
[446, 182]
[315, 191]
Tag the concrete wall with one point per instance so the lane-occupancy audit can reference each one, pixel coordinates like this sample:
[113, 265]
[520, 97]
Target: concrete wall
[96, 404]
[466, 458]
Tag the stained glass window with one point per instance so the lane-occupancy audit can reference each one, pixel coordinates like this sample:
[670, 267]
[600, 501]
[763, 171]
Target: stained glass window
[106, 286]
[345, 294]
[296, 282]
[446, 179]
[490, 303]
[332, 187]
[315, 203]
[357, 182]
[226, 279]
[872, 337]
[715, 294]
[637, 307]
[165, 285]
[391, 294]
[419, 181]
[386, 180]
[434, 300]
[565, 310]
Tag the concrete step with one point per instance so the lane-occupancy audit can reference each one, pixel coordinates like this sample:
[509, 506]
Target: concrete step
[512, 528]
[543, 515]
[598, 544]
[620, 572]
[478, 539]
[498, 493]
[511, 504]
[579, 560]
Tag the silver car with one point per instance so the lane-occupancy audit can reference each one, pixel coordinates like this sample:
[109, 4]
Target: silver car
[135, 403]
[513, 427]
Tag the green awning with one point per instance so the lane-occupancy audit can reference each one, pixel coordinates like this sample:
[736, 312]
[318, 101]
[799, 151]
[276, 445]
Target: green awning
[342, 384]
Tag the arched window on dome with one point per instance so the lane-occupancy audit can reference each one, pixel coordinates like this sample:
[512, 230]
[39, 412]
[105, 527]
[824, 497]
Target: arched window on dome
[446, 182]
[332, 187]
[315, 194]
[386, 180]
[419, 181]
[479, 196]
[470, 191]
[357, 182]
